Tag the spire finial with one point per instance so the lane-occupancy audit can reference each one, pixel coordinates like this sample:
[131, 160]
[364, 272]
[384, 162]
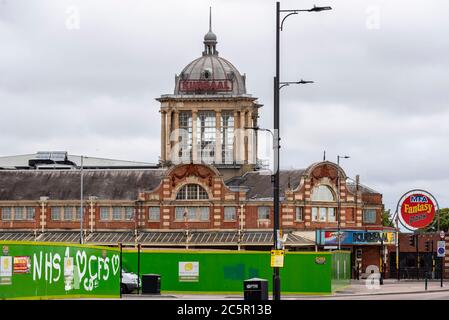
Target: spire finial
[324, 155]
[210, 19]
[210, 39]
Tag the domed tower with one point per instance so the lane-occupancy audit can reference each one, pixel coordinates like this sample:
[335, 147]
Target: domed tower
[204, 120]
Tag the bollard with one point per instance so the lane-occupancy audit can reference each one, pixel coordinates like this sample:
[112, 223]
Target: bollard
[426, 280]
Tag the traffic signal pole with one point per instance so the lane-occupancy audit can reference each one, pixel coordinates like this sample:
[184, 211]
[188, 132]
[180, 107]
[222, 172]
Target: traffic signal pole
[417, 252]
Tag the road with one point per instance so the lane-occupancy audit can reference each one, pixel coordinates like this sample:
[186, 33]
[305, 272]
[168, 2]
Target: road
[442, 295]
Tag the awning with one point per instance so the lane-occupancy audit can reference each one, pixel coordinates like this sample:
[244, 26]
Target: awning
[164, 238]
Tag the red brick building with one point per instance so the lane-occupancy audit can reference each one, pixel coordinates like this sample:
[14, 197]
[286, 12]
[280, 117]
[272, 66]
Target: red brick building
[208, 190]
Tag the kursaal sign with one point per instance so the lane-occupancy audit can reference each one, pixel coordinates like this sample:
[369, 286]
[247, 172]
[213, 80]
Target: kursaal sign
[417, 209]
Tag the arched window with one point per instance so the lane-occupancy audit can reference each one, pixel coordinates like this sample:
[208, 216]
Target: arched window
[192, 192]
[322, 193]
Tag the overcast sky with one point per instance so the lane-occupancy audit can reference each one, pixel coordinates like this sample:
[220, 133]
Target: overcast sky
[82, 76]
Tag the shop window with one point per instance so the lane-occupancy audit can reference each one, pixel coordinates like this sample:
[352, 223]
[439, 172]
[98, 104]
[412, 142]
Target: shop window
[192, 213]
[314, 214]
[68, 213]
[322, 193]
[192, 192]
[104, 213]
[56, 213]
[6, 213]
[154, 213]
[230, 214]
[19, 213]
[369, 216]
[129, 213]
[324, 214]
[30, 213]
[78, 213]
[116, 213]
[263, 212]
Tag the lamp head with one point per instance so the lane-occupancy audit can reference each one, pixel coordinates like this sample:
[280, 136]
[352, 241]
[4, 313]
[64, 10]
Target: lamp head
[318, 9]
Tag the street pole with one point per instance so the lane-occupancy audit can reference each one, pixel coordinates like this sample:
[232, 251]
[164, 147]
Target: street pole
[121, 251]
[417, 252]
[338, 203]
[81, 204]
[381, 260]
[138, 268]
[338, 200]
[276, 146]
[397, 246]
[276, 277]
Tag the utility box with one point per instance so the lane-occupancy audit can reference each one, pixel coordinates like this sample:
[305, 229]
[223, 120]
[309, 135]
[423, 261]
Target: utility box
[255, 289]
[151, 283]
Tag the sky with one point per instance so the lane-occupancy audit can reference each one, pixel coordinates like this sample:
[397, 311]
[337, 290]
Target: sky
[82, 76]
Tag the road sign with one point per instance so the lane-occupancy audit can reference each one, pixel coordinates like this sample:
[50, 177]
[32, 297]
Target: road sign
[441, 248]
[277, 258]
[442, 235]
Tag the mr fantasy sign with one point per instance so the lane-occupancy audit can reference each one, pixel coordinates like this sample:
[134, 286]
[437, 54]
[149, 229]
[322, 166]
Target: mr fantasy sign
[417, 209]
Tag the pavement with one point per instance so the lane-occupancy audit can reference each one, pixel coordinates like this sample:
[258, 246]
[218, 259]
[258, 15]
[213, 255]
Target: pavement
[390, 286]
[391, 289]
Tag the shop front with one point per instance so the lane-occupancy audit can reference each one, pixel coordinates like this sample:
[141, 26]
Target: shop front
[369, 248]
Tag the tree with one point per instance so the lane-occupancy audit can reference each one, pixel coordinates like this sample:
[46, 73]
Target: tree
[444, 221]
[386, 219]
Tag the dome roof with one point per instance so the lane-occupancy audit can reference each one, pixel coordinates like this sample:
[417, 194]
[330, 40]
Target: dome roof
[210, 74]
[210, 36]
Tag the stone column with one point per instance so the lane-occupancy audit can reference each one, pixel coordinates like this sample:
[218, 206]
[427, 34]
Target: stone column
[175, 134]
[243, 145]
[163, 135]
[250, 135]
[236, 145]
[218, 142]
[168, 132]
[194, 145]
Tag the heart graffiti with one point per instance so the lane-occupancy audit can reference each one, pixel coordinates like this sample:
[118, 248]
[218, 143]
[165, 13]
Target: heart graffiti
[81, 259]
[115, 263]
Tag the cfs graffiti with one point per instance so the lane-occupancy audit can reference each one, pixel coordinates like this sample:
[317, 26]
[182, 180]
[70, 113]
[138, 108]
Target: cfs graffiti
[76, 266]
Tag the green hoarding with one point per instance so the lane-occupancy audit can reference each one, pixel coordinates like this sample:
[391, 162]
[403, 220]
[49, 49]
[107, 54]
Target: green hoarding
[203, 271]
[34, 270]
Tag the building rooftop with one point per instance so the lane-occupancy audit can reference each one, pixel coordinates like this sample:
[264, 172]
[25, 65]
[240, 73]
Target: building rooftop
[71, 162]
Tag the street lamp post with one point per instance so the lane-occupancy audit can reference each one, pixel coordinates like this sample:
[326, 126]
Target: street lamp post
[338, 200]
[276, 232]
[81, 202]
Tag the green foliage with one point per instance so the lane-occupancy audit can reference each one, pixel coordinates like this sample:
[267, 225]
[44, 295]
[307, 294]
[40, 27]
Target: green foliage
[444, 221]
[386, 219]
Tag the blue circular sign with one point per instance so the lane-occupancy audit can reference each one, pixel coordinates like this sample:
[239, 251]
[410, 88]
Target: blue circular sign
[441, 250]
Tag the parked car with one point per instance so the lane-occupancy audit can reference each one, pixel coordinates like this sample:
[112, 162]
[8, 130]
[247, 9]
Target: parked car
[129, 282]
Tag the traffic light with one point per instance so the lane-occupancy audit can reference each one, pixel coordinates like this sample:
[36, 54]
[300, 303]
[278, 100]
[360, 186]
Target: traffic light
[411, 240]
[427, 245]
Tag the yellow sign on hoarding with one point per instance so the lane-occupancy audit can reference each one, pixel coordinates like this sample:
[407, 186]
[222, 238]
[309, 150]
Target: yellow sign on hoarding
[277, 258]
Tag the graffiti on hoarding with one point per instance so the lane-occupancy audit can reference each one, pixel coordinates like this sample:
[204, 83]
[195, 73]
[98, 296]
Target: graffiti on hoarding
[80, 268]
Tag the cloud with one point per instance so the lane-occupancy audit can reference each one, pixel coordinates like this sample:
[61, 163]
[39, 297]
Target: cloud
[380, 69]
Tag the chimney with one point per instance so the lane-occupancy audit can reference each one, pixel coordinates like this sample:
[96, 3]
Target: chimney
[357, 182]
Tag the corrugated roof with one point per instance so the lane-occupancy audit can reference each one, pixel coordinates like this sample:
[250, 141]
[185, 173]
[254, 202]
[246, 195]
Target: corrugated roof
[21, 162]
[161, 238]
